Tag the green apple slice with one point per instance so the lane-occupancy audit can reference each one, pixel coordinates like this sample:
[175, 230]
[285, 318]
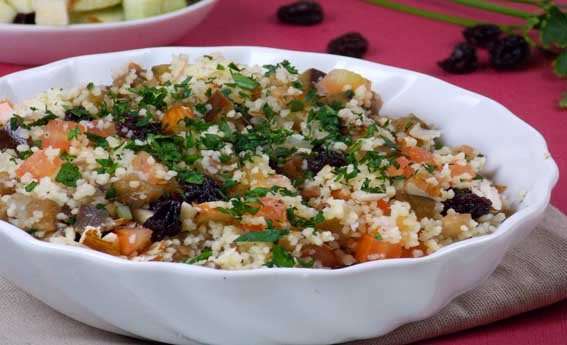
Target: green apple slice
[107, 15]
[21, 6]
[90, 5]
[172, 5]
[139, 9]
[50, 12]
[7, 13]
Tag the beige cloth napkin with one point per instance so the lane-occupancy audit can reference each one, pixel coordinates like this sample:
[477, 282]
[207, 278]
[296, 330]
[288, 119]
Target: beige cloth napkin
[532, 275]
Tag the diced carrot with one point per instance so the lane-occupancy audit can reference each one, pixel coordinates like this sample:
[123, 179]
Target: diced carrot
[104, 130]
[40, 165]
[418, 154]
[403, 170]
[340, 194]
[458, 170]
[274, 210]
[133, 240]
[57, 134]
[369, 248]
[384, 206]
[174, 115]
[467, 150]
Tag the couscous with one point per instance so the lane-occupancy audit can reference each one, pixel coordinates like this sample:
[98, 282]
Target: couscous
[228, 166]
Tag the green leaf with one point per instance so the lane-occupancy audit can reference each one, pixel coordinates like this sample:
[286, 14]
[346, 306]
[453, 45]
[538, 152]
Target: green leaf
[107, 166]
[269, 235]
[205, 254]
[554, 28]
[245, 82]
[31, 186]
[97, 140]
[73, 133]
[378, 236]
[281, 258]
[560, 64]
[68, 175]
[390, 143]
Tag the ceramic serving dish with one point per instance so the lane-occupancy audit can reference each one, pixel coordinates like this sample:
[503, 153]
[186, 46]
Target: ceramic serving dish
[185, 304]
[36, 44]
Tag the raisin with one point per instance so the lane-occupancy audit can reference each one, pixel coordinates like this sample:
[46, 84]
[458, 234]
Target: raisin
[204, 192]
[78, 114]
[129, 127]
[466, 201]
[320, 157]
[166, 220]
[482, 35]
[25, 18]
[301, 13]
[462, 60]
[509, 53]
[352, 44]
[9, 139]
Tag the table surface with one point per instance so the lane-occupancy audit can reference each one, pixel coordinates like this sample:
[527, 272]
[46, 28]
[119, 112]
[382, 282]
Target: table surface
[416, 43]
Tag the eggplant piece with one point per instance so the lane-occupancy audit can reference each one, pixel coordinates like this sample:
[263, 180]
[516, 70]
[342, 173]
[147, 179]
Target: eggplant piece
[220, 105]
[90, 215]
[311, 77]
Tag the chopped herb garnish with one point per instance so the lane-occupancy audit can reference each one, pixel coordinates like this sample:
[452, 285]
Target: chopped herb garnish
[281, 258]
[301, 222]
[97, 140]
[202, 108]
[239, 208]
[245, 82]
[90, 86]
[73, 133]
[68, 175]
[390, 143]
[268, 235]
[31, 186]
[220, 67]
[110, 193]
[107, 166]
[296, 105]
[378, 236]
[205, 254]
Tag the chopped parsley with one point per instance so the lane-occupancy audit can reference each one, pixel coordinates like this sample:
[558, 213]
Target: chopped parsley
[107, 166]
[98, 141]
[245, 82]
[68, 175]
[301, 222]
[31, 186]
[269, 235]
[281, 258]
[239, 208]
[205, 254]
[73, 133]
[378, 236]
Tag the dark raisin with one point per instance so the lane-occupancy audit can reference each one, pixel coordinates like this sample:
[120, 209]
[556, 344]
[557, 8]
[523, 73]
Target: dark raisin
[301, 13]
[78, 114]
[166, 220]
[482, 35]
[9, 139]
[509, 53]
[129, 127]
[462, 60]
[25, 18]
[352, 44]
[204, 192]
[466, 201]
[321, 157]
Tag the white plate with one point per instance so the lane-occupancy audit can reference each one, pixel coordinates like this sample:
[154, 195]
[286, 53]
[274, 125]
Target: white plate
[185, 304]
[36, 44]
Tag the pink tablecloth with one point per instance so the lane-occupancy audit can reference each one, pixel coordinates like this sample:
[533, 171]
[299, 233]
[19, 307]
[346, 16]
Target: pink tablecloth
[415, 43]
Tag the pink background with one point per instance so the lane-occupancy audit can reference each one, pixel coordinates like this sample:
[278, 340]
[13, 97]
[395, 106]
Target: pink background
[416, 43]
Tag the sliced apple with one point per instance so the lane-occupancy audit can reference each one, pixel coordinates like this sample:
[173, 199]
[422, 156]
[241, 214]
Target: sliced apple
[7, 13]
[90, 5]
[107, 15]
[172, 5]
[50, 12]
[21, 6]
[139, 9]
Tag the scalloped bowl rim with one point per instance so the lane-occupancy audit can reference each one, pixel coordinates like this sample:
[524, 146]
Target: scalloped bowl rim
[538, 204]
[104, 26]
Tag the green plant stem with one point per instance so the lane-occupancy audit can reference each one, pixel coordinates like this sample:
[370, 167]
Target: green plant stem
[491, 7]
[435, 15]
[529, 2]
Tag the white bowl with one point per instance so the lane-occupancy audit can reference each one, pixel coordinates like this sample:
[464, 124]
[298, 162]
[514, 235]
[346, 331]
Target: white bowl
[37, 44]
[184, 304]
